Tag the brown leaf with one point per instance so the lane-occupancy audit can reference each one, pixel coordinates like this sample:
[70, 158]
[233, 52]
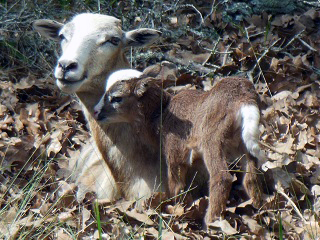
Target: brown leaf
[140, 217]
[65, 216]
[152, 232]
[286, 146]
[302, 140]
[18, 150]
[62, 235]
[177, 210]
[224, 225]
[54, 146]
[253, 225]
[86, 214]
[168, 235]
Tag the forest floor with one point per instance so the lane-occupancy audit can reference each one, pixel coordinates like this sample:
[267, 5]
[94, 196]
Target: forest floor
[43, 130]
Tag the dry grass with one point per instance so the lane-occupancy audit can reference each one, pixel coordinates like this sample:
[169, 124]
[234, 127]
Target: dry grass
[42, 130]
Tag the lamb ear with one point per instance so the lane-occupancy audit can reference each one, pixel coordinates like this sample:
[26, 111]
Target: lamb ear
[142, 86]
[141, 37]
[48, 28]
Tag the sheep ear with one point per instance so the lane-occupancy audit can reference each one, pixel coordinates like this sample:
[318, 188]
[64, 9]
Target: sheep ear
[141, 37]
[143, 86]
[48, 28]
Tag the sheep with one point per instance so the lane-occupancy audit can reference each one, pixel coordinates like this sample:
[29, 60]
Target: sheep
[93, 47]
[208, 128]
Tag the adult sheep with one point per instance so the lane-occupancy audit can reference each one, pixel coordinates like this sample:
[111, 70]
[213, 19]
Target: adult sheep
[93, 47]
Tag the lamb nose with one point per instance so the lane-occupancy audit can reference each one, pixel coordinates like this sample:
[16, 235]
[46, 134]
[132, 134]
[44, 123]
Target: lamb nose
[66, 65]
[96, 113]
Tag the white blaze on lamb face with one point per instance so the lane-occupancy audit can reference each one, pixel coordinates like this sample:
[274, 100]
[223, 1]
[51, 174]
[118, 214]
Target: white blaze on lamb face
[123, 74]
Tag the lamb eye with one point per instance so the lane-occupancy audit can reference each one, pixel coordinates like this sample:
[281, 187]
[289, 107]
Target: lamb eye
[61, 37]
[116, 99]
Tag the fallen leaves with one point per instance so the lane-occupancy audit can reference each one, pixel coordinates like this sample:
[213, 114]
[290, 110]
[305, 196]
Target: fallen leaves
[225, 227]
[42, 131]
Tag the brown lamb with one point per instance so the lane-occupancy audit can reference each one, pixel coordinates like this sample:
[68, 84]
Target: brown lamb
[214, 127]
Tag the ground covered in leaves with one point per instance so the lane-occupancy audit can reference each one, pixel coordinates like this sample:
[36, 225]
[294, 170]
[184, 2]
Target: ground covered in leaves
[42, 131]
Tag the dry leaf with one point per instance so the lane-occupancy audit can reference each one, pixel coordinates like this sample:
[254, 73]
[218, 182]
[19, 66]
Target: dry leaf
[86, 214]
[253, 225]
[141, 217]
[224, 225]
[285, 147]
[62, 235]
[39, 125]
[168, 235]
[177, 210]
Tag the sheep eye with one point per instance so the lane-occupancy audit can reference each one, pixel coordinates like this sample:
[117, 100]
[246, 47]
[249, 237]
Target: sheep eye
[115, 41]
[116, 99]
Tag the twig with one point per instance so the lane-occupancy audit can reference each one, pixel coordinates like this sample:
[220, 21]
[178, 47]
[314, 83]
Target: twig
[255, 56]
[212, 9]
[293, 205]
[193, 66]
[226, 55]
[294, 38]
[212, 51]
[269, 147]
[307, 45]
[265, 52]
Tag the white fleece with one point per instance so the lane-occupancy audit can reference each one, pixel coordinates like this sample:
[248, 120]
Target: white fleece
[123, 74]
[250, 117]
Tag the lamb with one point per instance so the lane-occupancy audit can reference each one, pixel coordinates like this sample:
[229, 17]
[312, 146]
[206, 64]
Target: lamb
[93, 47]
[210, 128]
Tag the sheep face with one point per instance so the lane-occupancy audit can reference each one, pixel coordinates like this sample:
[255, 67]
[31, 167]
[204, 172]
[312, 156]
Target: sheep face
[92, 46]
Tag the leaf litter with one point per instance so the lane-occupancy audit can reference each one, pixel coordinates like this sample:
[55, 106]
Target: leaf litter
[42, 131]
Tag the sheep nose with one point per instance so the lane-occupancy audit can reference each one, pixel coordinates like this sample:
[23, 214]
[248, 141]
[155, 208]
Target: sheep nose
[67, 65]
